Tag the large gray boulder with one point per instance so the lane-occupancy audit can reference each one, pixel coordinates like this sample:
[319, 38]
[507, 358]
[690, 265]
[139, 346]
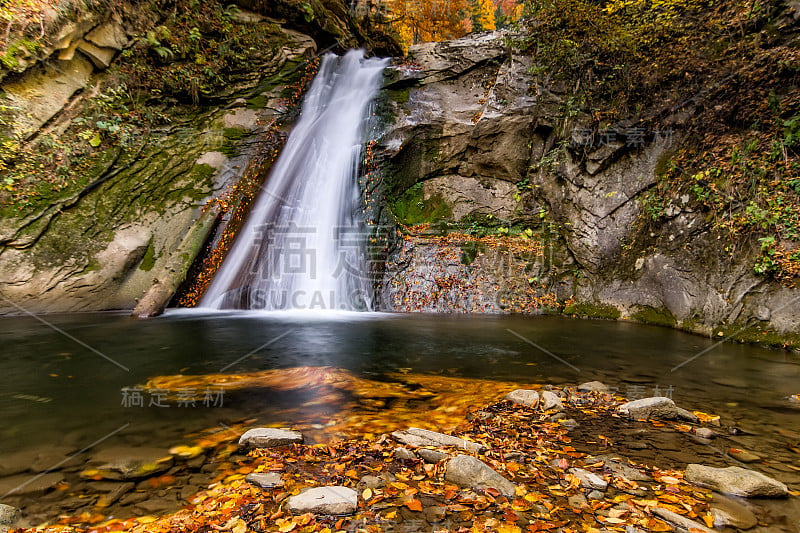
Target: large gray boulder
[417, 438]
[467, 471]
[736, 480]
[551, 400]
[335, 500]
[658, 407]
[269, 438]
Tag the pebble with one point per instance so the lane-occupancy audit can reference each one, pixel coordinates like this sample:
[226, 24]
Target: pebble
[467, 471]
[704, 433]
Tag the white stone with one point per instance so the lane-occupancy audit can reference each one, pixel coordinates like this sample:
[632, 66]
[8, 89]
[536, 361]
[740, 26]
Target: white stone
[335, 500]
[269, 438]
[551, 400]
[589, 480]
[526, 397]
[736, 480]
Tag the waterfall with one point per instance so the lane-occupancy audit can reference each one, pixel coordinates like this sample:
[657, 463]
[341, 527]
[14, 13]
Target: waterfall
[304, 243]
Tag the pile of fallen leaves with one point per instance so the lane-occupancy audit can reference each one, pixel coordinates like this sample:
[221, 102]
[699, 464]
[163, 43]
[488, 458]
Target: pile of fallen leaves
[524, 444]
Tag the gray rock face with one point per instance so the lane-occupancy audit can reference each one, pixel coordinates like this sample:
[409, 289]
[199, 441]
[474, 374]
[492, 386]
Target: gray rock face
[526, 397]
[736, 480]
[8, 514]
[335, 500]
[593, 386]
[269, 438]
[589, 480]
[467, 471]
[265, 480]
[432, 456]
[551, 400]
[422, 437]
[657, 407]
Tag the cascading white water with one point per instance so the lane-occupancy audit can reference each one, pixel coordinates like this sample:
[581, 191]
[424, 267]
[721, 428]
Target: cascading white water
[304, 243]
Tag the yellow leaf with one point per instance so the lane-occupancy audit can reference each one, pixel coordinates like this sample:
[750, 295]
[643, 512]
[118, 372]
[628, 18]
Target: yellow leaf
[367, 494]
[240, 526]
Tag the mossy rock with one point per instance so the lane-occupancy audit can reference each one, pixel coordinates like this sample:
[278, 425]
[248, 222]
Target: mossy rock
[593, 310]
[657, 317]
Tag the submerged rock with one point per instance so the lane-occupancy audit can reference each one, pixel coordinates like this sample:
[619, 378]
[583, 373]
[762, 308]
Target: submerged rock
[736, 480]
[526, 397]
[680, 521]
[593, 386]
[336, 500]
[422, 437]
[124, 463]
[467, 471]
[29, 485]
[727, 512]
[269, 438]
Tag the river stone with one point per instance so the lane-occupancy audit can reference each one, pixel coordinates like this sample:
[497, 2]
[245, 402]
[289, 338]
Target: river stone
[577, 500]
[265, 480]
[704, 433]
[550, 400]
[589, 480]
[744, 456]
[680, 521]
[596, 495]
[593, 386]
[622, 470]
[735, 480]
[29, 485]
[124, 463]
[432, 456]
[727, 512]
[8, 514]
[655, 407]
[417, 437]
[404, 454]
[269, 438]
[335, 500]
[526, 397]
[467, 471]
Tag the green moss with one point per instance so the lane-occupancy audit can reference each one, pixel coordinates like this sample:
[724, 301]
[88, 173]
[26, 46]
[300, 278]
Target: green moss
[235, 133]
[593, 310]
[413, 208]
[757, 334]
[257, 102]
[657, 317]
[149, 259]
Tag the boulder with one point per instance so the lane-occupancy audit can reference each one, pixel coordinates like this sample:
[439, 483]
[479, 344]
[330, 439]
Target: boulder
[417, 437]
[265, 480]
[467, 471]
[589, 480]
[658, 407]
[432, 456]
[269, 438]
[736, 480]
[526, 397]
[336, 500]
[551, 400]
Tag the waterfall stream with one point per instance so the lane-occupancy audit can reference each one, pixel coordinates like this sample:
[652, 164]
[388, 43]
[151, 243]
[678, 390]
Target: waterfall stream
[304, 243]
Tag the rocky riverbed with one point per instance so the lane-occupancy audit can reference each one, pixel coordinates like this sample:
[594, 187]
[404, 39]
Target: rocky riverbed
[544, 459]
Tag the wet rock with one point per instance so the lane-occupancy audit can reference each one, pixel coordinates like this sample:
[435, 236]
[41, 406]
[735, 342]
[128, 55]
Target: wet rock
[336, 500]
[577, 500]
[658, 407]
[558, 416]
[403, 454]
[269, 438]
[467, 471]
[727, 512]
[265, 480]
[372, 482]
[550, 400]
[589, 480]
[422, 437]
[20, 485]
[744, 456]
[593, 386]
[705, 433]
[622, 470]
[432, 456]
[153, 506]
[123, 463]
[596, 495]
[526, 397]
[570, 423]
[113, 492]
[8, 514]
[435, 514]
[133, 498]
[680, 521]
[735, 480]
